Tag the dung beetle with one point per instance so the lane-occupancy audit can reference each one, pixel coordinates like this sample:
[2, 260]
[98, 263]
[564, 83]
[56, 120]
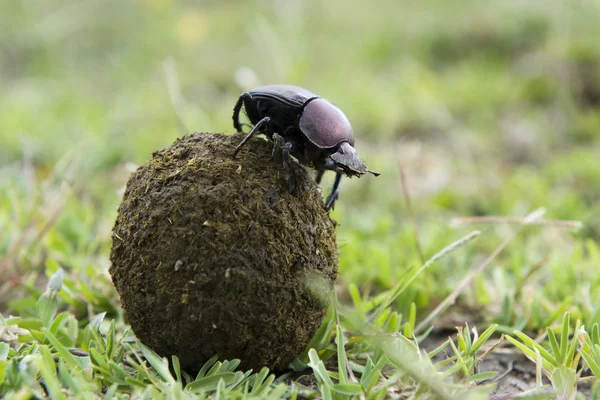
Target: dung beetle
[306, 126]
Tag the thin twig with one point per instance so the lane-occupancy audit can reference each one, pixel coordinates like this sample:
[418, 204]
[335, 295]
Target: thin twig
[395, 292]
[521, 284]
[411, 214]
[538, 368]
[491, 219]
[492, 348]
[508, 370]
[448, 301]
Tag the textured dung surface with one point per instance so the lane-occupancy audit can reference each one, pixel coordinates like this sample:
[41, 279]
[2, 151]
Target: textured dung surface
[214, 255]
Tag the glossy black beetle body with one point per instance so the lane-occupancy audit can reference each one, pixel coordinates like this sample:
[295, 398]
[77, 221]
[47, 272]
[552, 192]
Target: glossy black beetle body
[312, 129]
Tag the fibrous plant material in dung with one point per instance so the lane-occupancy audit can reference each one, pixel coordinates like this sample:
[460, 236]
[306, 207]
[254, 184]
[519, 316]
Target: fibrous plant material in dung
[215, 255]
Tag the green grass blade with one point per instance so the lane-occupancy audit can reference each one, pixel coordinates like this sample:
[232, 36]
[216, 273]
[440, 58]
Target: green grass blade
[468, 339]
[68, 379]
[98, 359]
[207, 366]
[531, 354]
[438, 349]
[593, 364]
[210, 383]
[341, 355]
[460, 361]
[355, 296]
[553, 342]
[319, 368]
[535, 345]
[564, 382]
[111, 342]
[409, 327]
[57, 321]
[262, 382]
[347, 389]
[564, 338]
[46, 307]
[573, 347]
[176, 368]
[160, 365]
[111, 392]
[229, 365]
[483, 376]
[48, 372]
[60, 349]
[595, 336]
[326, 392]
[483, 338]
[4, 347]
[365, 378]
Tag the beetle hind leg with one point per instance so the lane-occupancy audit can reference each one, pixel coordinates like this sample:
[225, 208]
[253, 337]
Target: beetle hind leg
[244, 100]
[243, 124]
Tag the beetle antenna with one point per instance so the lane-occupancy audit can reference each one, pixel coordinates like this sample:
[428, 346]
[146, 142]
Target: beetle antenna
[373, 172]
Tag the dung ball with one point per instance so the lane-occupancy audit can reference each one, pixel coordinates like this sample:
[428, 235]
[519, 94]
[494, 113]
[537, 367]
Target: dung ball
[215, 255]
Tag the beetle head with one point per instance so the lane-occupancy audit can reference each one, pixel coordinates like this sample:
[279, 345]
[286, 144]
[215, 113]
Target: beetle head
[347, 161]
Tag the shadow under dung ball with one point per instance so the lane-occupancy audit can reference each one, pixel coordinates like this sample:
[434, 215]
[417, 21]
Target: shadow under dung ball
[213, 255]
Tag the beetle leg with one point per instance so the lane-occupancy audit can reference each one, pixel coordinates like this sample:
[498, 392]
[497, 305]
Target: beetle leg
[242, 124]
[243, 99]
[319, 175]
[334, 192]
[278, 142]
[253, 132]
[329, 166]
[285, 151]
[282, 151]
[284, 147]
[287, 162]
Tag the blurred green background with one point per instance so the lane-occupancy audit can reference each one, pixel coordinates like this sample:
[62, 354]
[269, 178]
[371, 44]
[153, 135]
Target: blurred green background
[491, 107]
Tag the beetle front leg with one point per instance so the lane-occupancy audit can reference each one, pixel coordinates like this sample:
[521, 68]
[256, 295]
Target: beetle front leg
[285, 152]
[278, 142]
[284, 147]
[329, 166]
[244, 100]
[253, 132]
[334, 192]
[319, 176]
